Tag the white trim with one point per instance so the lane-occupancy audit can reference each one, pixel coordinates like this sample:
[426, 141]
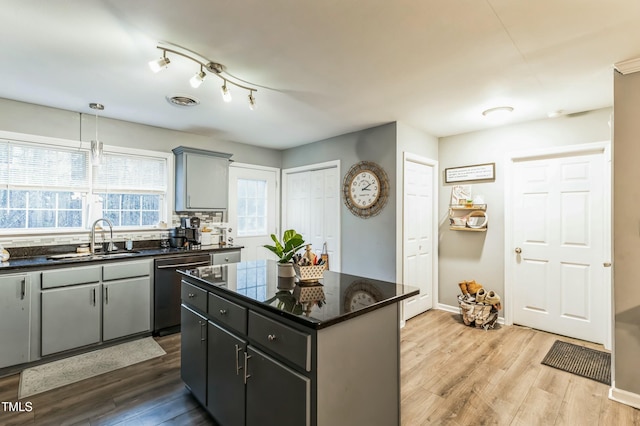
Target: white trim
[276, 171]
[604, 148]
[312, 167]
[627, 67]
[400, 229]
[624, 397]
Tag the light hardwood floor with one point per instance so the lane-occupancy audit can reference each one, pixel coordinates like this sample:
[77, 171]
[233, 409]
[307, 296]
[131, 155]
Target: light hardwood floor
[451, 374]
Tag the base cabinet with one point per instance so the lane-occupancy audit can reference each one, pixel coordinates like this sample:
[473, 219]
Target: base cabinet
[269, 384]
[15, 325]
[226, 376]
[70, 317]
[193, 352]
[126, 309]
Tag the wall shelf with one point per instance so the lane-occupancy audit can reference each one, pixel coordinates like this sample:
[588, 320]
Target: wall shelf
[460, 213]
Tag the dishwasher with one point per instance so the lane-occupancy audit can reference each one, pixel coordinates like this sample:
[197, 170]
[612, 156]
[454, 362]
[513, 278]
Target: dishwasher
[166, 290]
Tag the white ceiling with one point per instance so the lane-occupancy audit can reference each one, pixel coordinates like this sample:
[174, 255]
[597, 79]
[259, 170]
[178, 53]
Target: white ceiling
[323, 68]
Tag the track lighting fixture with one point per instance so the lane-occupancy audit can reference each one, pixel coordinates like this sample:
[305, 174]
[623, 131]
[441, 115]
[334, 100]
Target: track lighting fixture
[212, 67]
[197, 79]
[226, 94]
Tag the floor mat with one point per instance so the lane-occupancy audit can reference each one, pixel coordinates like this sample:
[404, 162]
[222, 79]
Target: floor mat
[55, 374]
[585, 362]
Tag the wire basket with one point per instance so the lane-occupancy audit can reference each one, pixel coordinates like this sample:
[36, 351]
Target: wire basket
[309, 274]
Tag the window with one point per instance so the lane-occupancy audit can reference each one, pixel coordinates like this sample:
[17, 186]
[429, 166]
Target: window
[252, 207]
[51, 186]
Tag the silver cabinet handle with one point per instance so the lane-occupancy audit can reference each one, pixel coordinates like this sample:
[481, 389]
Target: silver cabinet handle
[203, 336]
[226, 259]
[223, 312]
[191, 295]
[246, 364]
[23, 288]
[238, 367]
[271, 337]
[518, 250]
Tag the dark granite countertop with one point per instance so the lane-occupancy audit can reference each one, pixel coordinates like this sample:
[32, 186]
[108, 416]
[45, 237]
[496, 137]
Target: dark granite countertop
[44, 260]
[335, 298]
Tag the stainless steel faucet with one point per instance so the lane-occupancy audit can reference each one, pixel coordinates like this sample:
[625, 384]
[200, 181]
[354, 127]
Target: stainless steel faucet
[92, 239]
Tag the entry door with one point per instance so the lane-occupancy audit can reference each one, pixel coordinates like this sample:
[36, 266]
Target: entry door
[558, 251]
[418, 244]
[253, 209]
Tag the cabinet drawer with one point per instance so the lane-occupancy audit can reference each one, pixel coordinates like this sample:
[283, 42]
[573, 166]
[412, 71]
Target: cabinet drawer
[228, 313]
[116, 271]
[70, 276]
[194, 296]
[226, 257]
[292, 344]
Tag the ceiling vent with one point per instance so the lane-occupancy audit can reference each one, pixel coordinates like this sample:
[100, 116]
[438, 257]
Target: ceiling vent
[182, 101]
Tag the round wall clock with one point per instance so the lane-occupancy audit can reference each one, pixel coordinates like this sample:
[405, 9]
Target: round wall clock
[365, 189]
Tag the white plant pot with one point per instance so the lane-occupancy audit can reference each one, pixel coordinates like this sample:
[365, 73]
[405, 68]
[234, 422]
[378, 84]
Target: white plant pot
[286, 270]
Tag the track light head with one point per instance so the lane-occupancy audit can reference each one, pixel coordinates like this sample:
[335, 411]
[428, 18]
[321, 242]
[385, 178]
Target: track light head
[226, 94]
[252, 101]
[158, 64]
[197, 79]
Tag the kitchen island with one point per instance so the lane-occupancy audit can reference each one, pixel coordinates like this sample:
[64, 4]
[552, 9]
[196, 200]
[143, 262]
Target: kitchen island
[258, 349]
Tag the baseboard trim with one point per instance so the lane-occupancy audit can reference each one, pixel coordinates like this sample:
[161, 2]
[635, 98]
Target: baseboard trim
[624, 397]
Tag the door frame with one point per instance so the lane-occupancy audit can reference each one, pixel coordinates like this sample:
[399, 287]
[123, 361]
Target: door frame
[564, 151]
[400, 272]
[310, 168]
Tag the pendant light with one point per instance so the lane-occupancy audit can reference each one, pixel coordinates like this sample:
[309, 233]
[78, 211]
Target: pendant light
[96, 145]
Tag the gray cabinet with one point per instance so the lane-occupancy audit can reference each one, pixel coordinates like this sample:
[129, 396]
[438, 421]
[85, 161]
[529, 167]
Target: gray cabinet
[193, 352]
[70, 317]
[15, 311]
[126, 299]
[225, 376]
[202, 179]
[222, 258]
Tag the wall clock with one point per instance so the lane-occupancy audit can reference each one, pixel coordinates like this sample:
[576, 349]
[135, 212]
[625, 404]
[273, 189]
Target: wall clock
[365, 189]
[361, 294]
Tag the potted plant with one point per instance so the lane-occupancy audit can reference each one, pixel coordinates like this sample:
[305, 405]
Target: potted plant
[285, 249]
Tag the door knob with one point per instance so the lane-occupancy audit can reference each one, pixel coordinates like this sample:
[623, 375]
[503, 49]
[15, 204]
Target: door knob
[518, 250]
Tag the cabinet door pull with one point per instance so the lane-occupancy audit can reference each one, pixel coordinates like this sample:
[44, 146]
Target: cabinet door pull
[203, 336]
[223, 312]
[23, 288]
[94, 296]
[238, 367]
[271, 337]
[191, 295]
[246, 364]
[106, 295]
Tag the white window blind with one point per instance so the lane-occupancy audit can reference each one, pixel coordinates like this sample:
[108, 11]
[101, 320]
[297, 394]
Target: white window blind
[128, 173]
[23, 165]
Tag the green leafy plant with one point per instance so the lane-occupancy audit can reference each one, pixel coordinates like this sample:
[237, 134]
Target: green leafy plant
[285, 249]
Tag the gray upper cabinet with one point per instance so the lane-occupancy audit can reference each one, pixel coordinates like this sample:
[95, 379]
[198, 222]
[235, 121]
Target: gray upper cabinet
[15, 295]
[202, 179]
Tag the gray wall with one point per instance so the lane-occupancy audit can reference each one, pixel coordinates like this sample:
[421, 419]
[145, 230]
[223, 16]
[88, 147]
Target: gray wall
[368, 245]
[480, 255]
[626, 244]
[33, 119]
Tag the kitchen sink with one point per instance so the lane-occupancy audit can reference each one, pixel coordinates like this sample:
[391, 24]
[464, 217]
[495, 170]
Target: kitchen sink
[89, 256]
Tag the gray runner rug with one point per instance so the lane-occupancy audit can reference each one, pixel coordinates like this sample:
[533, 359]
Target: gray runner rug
[59, 373]
[585, 362]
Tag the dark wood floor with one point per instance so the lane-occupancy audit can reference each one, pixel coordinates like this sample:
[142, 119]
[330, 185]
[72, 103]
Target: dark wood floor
[451, 374]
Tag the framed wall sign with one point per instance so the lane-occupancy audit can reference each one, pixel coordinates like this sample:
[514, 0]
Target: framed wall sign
[469, 173]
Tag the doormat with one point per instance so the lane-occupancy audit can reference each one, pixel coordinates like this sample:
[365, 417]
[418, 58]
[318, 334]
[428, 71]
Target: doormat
[585, 362]
[63, 372]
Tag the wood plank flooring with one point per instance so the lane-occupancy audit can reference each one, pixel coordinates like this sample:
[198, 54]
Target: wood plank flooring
[451, 375]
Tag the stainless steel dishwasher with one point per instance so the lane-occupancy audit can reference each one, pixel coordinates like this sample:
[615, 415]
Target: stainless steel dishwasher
[166, 294]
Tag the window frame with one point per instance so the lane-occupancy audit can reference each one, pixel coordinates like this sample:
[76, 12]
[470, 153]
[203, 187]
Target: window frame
[166, 211]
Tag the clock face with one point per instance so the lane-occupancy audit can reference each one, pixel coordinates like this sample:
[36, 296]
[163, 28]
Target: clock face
[364, 189]
[361, 299]
[360, 294]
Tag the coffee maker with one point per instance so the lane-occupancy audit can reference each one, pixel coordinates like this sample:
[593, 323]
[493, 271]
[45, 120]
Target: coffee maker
[187, 235]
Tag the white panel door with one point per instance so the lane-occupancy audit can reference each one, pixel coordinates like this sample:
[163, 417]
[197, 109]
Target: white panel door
[253, 201]
[558, 214]
[418, 244]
